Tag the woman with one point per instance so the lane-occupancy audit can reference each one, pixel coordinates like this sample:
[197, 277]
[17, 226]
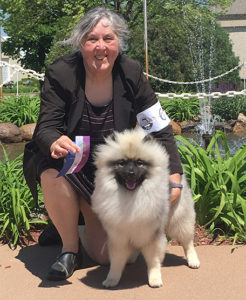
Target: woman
[91, 93]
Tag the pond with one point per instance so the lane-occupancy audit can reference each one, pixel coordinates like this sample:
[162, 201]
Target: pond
[235, 141]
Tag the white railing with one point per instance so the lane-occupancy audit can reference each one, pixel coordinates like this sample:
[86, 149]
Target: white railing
[201, 95]
[199, 81]
[17, 69]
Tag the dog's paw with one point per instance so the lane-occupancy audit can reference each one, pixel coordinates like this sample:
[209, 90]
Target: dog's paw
[155, 280]
[193, 262]
[110, 282]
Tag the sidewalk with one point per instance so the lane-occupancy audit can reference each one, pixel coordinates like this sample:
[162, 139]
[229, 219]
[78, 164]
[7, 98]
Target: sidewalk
[222, 275]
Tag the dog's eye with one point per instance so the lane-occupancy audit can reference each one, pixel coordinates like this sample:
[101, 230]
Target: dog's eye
[140, 163]
[121, 163]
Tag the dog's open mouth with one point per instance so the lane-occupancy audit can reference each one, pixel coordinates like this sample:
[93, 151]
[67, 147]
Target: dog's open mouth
[130, 185]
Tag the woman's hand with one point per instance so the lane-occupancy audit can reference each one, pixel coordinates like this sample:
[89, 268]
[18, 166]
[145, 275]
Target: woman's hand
[60, 147]
[175, 193]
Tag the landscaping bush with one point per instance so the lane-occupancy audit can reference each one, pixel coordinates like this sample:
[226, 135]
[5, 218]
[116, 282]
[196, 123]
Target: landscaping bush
[228, 108]
[180, 109]
[218, 183]
[20, 110]
[17, 207]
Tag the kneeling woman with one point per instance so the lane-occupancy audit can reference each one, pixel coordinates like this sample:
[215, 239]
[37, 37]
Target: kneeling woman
[90, 92]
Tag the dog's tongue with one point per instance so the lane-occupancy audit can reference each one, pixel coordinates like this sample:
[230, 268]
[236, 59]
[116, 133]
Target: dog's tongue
[130, 185]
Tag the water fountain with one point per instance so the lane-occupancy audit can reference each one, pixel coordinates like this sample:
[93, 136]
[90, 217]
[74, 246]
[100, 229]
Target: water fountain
[202, 66]
[207, 125]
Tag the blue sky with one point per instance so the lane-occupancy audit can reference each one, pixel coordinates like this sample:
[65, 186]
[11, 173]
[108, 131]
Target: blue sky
[2, 32]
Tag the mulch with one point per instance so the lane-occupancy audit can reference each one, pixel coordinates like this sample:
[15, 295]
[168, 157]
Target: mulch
[202, 237]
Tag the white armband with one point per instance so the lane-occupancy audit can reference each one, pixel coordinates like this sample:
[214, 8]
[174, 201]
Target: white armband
[153, 118]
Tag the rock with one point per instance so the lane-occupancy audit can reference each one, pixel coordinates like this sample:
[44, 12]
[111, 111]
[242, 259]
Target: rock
[188, 126]
[27, 131]
[241, 118]
[240, 126]
[176, 127]
[227, 128]
[232, 122]
[219, 126]
[223, 126]
[10, 133]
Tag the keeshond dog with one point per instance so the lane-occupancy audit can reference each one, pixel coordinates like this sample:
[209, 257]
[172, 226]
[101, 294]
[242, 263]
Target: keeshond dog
[131, 199]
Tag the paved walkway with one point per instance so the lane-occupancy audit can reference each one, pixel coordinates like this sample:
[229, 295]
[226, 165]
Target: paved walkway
[222, 276]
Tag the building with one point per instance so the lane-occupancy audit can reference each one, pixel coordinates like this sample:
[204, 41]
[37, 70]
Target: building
[6, 71]
[234, 22]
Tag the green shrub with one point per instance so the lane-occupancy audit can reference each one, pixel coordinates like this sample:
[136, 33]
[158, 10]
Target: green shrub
[218, 183]
[228, 108]
[180, 109]
[17, 206]
[20, 110]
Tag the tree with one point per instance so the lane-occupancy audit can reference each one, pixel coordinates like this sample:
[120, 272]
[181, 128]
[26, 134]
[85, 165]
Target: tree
[30, 26]
[72, 12]
[185, 44]
[35, 27]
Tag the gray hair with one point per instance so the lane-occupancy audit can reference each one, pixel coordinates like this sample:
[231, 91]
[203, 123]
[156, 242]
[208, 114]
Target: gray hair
[89, 21]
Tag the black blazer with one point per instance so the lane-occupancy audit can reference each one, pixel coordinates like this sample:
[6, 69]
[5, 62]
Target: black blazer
[62, 102]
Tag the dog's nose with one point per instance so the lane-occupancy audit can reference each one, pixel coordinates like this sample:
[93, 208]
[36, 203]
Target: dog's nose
[131, 172]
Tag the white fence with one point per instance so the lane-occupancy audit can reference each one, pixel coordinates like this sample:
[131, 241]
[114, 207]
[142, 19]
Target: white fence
[16, 69]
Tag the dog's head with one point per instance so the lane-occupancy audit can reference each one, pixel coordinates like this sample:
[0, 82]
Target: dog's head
[130, 157]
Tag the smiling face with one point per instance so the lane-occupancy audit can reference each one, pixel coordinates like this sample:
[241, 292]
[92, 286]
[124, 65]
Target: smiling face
[100, 48]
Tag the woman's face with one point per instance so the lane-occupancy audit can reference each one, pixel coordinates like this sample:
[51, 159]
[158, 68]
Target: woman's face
[100, 48]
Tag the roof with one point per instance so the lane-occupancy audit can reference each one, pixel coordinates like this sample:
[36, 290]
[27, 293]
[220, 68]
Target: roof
[237, 11]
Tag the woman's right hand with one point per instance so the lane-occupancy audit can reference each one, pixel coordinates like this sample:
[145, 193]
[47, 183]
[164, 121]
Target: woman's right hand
[60, 147]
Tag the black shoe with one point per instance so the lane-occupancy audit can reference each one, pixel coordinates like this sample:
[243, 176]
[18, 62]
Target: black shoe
[49, 236]
[65, 265]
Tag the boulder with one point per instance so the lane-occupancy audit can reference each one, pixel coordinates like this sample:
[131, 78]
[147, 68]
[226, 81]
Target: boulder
[176, 127]
[188, 126]
[222, 126]
[241, 118]
[240, 126]
[27, 131]
[227, 128]
[10, 133]
[232, 122]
